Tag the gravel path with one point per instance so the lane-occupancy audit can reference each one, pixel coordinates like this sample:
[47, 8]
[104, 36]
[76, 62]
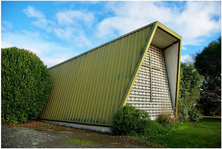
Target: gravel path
[31, 138]
[22, 137]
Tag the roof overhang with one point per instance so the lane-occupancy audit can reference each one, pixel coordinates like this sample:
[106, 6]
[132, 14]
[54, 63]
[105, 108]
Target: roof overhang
[164, 37]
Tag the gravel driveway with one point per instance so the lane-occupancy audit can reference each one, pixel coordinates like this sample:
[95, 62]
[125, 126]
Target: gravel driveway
[23, 137]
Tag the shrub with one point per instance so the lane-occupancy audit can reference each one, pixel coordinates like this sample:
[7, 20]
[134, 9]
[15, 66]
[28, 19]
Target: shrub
[183, 111]
[194, 114]
[153, 128]
[128, 120]
[190, 81]
[165, 118]
[189, 112]
[131, 121]
[25, 85]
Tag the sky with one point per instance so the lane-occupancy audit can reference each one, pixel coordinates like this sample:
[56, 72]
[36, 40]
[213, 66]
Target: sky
[59, 30]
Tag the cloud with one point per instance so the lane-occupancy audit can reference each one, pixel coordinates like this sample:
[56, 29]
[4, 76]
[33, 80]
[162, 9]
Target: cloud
[71, 24]
[31, 12]
[67, 25]
[195, 21]
[41, 22]
[129, 16]
[37, 42]
[23, 41]
[53, 61]
[82, 40]
[81, 29]
[64, 33]
[6, 26]
[187, 59]
[198, 20]
[72, 17]
[49, 52]
[6, 45]
[27, 47]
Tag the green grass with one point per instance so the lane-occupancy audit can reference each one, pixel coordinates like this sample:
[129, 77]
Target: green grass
[205, 133]
[79, 141]
[44, 125]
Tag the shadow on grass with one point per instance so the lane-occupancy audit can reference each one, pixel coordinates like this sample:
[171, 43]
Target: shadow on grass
[208, 119]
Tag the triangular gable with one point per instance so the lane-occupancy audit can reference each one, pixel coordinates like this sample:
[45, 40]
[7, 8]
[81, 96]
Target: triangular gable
[151, 91]
[170, 42]
[90, 88]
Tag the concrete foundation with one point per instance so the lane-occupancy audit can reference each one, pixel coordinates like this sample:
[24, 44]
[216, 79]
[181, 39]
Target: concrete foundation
[80, 126]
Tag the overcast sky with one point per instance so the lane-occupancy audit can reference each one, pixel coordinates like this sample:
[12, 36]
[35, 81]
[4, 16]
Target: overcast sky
[57, 31]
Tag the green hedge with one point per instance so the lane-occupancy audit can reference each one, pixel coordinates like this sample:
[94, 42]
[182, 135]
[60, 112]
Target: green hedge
[131, 121]
[128, 120]
[25, 85]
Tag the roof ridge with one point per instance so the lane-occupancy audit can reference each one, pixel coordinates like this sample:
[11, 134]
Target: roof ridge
[95, 48]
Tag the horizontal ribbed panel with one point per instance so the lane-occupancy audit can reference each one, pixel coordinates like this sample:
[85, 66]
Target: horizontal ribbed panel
[162, 39]
[90, 88]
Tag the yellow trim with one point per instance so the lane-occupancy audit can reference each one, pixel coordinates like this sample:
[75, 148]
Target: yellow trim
[157, 24]
[168, 30]
[179, 59]
[139, 64]
[178, 77]
[123, 59]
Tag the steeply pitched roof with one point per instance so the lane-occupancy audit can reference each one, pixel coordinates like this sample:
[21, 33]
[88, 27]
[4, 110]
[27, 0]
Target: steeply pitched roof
[92, 86]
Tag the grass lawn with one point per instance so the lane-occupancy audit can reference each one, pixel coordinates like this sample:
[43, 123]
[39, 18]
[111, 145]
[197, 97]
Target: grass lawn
[205, 133]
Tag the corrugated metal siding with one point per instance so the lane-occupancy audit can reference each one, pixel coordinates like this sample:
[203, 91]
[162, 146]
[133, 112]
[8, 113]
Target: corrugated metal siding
[152, 97]
[171, 58]
[162, 39]
[90, 87]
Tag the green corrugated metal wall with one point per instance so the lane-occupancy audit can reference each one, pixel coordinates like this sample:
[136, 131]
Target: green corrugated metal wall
[91, 87]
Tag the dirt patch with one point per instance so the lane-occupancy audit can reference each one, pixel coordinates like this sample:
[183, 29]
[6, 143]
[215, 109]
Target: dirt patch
[39, 134]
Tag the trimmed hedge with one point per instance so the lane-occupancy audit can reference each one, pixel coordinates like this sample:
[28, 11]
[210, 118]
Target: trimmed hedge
[25, 85]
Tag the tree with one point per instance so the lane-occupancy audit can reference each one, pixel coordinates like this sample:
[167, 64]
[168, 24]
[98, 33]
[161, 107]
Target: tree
[190, 81]
[208, 64]
[25, 83]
